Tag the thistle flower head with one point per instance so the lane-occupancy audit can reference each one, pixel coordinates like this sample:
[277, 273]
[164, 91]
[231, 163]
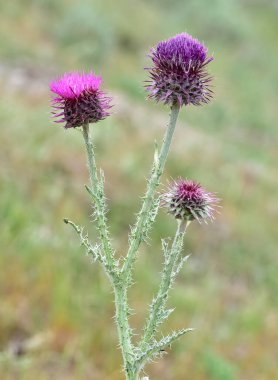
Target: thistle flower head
[178, 74]
[78, 99]
[188, 200]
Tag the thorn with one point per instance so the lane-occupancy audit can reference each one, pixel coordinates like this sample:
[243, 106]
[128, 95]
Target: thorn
[88, 189]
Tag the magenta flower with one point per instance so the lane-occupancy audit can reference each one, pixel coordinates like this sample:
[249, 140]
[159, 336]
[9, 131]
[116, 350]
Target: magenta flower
[79, 100]
[179, 75]
[188, 200]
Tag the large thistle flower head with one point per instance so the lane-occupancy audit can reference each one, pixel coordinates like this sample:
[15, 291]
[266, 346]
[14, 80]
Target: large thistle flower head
[178, 75]
[188, 200]
[78, 99]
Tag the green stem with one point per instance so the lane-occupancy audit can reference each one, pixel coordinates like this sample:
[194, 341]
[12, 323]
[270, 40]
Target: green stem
[166, 281]
[90, 156]
[120, 290]
[98, 197]
[149, 197]
[124, 330]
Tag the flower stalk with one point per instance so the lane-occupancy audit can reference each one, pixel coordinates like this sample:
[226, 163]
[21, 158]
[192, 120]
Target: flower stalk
[170, 270]
[124, 331]
[96, 192]
[143, 224]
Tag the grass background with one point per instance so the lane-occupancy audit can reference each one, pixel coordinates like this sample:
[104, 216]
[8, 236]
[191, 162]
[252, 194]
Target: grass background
[56, 311]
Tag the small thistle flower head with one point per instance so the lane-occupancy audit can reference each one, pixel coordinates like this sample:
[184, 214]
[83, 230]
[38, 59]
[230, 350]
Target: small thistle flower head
[188, 200]
[178, 75]
[78, 99]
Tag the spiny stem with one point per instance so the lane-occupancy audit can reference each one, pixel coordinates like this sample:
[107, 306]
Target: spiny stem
[124, 330]
[120, 290]
[94, 250]
[98, 196]
[159, 302]
[153, 183]
[158, 348]
[121, 293]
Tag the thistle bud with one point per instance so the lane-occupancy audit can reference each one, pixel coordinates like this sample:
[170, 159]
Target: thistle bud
[188, 200]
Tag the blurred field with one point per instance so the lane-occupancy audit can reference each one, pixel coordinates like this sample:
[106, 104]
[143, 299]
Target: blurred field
[56, 311]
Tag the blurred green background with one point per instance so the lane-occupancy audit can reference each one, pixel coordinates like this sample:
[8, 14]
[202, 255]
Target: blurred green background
[56, 311]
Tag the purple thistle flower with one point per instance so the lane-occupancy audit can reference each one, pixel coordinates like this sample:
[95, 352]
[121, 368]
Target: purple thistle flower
[79, 99]
[179, 75]
[188, 200]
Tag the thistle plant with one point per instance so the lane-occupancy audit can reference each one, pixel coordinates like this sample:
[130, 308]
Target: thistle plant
[177, 78]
